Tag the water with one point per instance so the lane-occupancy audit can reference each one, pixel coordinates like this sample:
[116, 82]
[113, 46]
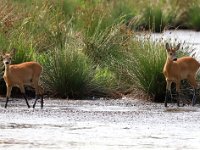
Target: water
[190, 40]
[99, 124]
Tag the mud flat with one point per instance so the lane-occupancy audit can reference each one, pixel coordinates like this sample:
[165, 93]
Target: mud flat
[98, 124]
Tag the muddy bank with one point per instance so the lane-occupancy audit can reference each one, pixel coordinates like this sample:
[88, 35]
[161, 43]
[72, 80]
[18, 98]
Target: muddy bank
[98, 124]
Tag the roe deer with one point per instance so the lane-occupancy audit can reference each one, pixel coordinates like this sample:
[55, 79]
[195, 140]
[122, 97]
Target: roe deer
[19, 75]
[179, 69]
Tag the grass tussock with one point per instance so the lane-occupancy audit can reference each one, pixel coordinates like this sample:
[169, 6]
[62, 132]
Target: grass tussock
[67, 73]
[147, 68]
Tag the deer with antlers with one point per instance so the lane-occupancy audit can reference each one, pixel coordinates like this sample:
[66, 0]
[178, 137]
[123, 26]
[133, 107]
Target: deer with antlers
[177, 69]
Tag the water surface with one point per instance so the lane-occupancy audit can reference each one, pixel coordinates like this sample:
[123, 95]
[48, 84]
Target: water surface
[99, 124]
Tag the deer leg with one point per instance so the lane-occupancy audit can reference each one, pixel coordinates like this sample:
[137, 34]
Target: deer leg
[194, 98]
[168, 94]
[8, 93]
[35, 85]
[39, 93]
[7, 99]
[24, 95]
[36, 98]
[177, 99]
[194, 85]
[42, 101]
[41, 90]
[177, 93]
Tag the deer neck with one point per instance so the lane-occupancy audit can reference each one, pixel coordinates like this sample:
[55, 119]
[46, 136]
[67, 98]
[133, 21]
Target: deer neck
[168, 63]
[7, 70]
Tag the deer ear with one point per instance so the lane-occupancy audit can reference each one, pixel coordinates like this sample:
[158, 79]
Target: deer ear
[178, 46]
[167, 46]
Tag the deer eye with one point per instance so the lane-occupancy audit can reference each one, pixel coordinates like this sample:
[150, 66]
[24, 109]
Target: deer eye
[170, 53]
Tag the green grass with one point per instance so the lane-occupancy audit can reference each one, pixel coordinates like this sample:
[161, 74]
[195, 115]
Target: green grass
[156, 19]
[3, 42]
[89, 48]
[148, 62]
[66, 73]
[193, 18]
[105, 45]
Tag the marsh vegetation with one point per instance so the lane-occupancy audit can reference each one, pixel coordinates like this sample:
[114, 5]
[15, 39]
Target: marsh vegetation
[92, 48]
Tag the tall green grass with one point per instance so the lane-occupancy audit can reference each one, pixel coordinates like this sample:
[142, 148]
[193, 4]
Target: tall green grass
[193, 18]
[106, 48]
[156, 19]
[67, 73]
[105, 45]
[147, 65]
[91, 47]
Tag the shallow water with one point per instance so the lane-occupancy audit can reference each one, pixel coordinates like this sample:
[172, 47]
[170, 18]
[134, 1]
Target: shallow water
[190, 40]
[99, 124]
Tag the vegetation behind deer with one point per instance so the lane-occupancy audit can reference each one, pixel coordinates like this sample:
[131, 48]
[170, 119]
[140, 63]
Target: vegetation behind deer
[91, 48]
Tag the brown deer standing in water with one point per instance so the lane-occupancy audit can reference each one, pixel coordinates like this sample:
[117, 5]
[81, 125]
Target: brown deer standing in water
[19, 75]
[179, 69]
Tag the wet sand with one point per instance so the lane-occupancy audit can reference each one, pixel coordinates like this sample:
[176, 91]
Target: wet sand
[98, 124]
